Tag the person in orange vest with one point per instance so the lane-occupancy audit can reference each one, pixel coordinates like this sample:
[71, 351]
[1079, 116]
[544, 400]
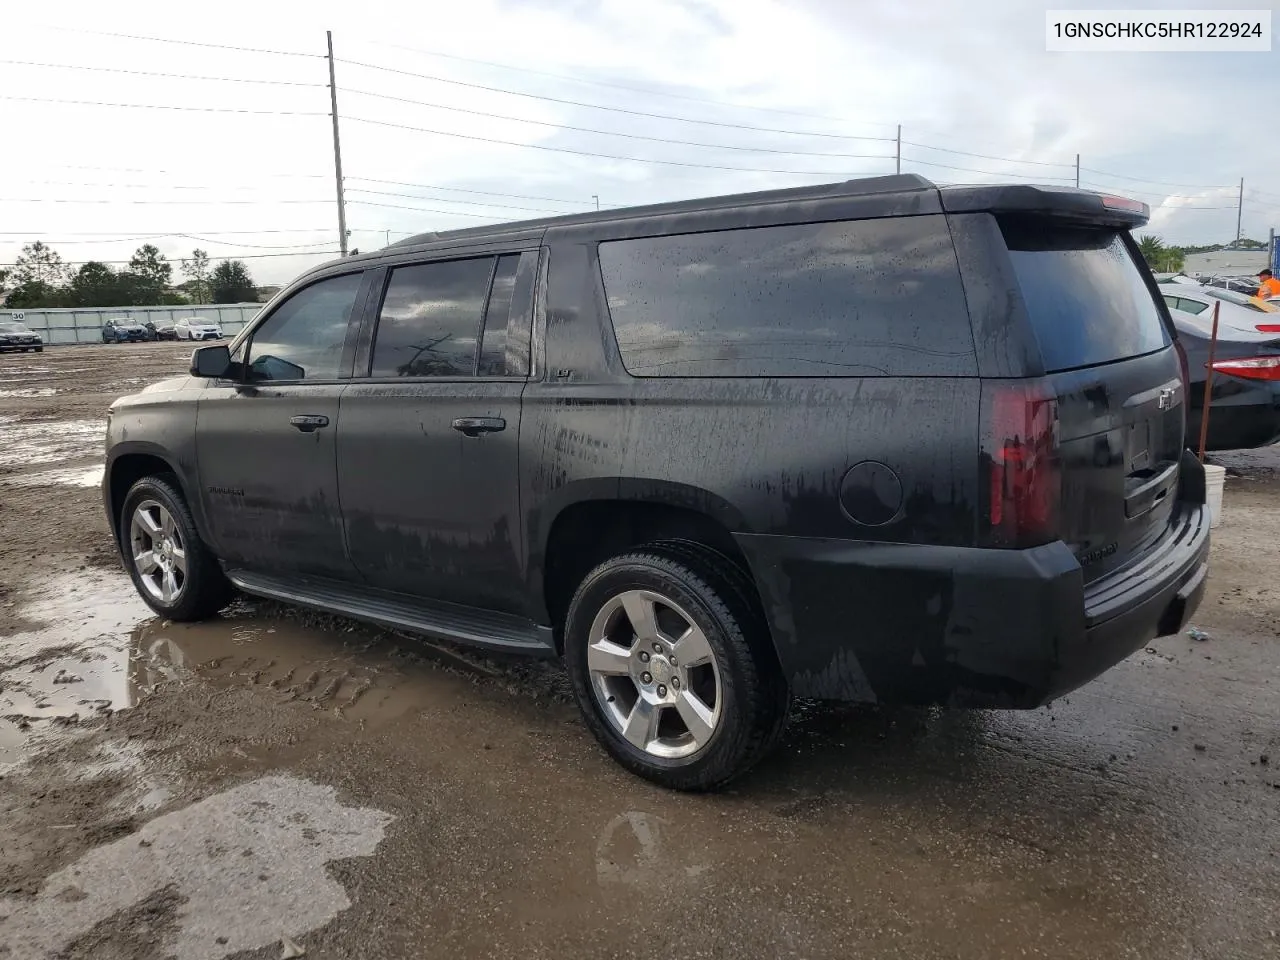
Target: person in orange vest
[1268, 286]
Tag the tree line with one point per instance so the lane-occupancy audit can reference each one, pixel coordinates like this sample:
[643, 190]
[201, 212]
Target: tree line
[40, 278]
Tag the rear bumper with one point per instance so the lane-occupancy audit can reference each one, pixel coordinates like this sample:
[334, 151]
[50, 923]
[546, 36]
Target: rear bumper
[967, 627]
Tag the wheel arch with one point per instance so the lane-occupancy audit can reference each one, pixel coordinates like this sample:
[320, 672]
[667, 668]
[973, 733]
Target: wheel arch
[585, 530]
[128, 463]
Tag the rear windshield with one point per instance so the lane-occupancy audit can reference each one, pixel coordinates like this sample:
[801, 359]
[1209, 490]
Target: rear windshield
[1085, 294]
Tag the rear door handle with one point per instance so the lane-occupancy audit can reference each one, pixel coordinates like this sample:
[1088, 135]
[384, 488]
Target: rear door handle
[475, 426]
[309, 423]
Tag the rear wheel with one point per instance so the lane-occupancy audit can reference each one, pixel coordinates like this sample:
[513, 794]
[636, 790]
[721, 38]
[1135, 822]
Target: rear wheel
[172, 569]
[671, 666]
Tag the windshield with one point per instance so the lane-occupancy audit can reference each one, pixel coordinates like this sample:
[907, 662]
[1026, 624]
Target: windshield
[9, 326]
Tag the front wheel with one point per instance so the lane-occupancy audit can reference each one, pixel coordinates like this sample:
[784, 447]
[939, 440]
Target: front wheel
[672, 666]
[174, 572]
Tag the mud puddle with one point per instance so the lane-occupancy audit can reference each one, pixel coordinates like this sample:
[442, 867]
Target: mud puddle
[90, 476]
[28, 392]
[51, 441]
[94, 648]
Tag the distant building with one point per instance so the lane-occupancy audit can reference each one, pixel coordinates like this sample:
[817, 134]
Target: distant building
[266, 293]
[1225, 263]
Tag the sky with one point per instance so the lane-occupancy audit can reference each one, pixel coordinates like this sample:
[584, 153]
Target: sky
[454, 114]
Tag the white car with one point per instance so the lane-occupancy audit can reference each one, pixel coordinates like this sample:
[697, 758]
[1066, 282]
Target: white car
[193, 328]
[1237, 310]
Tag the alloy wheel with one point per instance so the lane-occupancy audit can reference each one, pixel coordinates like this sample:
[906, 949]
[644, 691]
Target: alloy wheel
[654, 674]
[158, 552]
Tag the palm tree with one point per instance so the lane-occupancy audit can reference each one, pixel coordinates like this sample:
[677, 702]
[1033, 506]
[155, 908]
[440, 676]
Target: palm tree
[1153, 251]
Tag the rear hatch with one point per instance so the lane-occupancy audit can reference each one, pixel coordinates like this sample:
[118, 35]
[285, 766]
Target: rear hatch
[1112, 368]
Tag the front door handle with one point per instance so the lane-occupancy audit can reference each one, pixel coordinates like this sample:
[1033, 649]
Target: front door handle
[309, 423]
[475, 426]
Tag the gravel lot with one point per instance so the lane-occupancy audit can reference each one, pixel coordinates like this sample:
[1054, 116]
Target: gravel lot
[277, 779]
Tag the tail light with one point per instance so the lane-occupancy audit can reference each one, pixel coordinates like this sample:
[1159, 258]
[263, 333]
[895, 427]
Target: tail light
[1019, 451]
[1250, 368]
[1269, 328]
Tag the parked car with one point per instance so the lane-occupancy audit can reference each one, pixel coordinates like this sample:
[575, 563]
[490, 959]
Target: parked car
[1244, 406]
[1244, 285]
[123, 330]
[19, 338]
[872, 440]
[161, 331]
[1235, 310]
[195, 328]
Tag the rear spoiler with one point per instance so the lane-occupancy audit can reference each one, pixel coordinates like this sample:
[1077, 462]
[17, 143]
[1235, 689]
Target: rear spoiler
[1069, 203]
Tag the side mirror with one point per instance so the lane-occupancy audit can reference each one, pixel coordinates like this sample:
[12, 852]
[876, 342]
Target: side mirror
[212, 362]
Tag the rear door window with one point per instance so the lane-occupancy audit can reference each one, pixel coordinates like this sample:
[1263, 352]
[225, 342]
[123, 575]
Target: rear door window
[429, 325]
[850, 298]
[1085, 294]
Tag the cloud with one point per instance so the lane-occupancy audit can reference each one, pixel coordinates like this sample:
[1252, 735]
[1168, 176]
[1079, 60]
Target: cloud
[961, 79]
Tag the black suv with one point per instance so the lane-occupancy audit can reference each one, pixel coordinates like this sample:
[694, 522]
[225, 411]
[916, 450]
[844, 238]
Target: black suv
[871, 441]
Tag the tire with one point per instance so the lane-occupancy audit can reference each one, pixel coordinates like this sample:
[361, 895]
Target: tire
[39, 349]
[739, 696]
[201, 590]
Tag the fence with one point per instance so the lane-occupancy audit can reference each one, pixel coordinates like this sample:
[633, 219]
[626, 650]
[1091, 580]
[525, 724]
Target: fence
[85, 325]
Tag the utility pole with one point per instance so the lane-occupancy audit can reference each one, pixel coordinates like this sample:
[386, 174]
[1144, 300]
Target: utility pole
[897, 163]
[596, 198]
[1240, 209]
[388, 238]
[1077, 171]
[337, 148]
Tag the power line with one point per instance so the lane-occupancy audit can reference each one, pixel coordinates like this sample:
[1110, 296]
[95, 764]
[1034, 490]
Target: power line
[228, 256]
[152, 233]
[189, 43]
[989, 173]
[1152, 193]
[606, 156]
[252, 246]
[488, 193]
[164, 106]
[984, 156]
[449, 213]
[152, 73]
[473, 203]
[622, 86]
[66, 166]
[596, 106]
[143, 186]
[1163, 183]
[154, 202]
[614, 133]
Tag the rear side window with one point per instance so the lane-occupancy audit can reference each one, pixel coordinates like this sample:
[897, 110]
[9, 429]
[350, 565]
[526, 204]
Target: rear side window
[850, 298]
[1086, 296]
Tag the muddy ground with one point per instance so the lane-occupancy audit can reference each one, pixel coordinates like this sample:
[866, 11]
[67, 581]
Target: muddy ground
[275, 782]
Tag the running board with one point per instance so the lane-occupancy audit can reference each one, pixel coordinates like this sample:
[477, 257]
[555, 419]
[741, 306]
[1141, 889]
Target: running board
[476, 628]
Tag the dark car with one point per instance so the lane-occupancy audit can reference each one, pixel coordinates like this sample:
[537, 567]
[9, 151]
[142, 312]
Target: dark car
[162, 331]
[124, 330]
[872, 441]
[19, 338]
[1244, 407]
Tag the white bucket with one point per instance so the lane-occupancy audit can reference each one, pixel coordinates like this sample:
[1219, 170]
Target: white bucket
[1213, 479]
